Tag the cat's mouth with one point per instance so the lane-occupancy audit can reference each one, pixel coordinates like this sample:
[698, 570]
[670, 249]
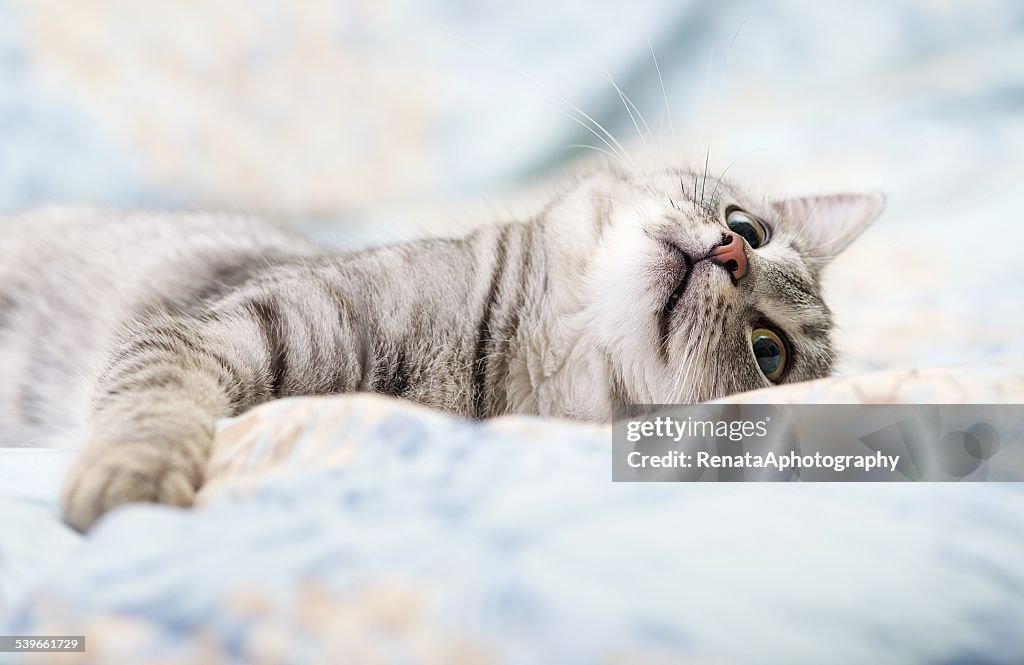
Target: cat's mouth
[682, 268]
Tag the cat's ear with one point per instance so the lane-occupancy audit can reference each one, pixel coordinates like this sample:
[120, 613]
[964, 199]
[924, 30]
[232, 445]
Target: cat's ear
[827, 224]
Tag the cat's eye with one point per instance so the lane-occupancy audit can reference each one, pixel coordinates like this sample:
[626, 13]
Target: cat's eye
[770, 352]
[751, 228]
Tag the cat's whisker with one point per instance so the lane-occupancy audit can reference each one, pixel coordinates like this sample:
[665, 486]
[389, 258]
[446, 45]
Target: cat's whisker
[707, 392]
[699, 342]
[638, 114]
[702, 344]
[721, 87]
[707, 87]
[684, 387]
[664, 93]
[682, 382]
[627, 103]
[704, 182]
[586, 146]
[611, 136]
[681, 386]
[721, 176]
[647, 127]
[686, 390]
[728, 53]
[622, 155]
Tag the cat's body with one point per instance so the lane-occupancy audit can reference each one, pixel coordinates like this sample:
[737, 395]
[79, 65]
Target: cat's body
[403, 320]
[136, 332]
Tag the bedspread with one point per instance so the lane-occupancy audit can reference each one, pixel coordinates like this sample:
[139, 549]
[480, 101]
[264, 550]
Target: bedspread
[363, 529]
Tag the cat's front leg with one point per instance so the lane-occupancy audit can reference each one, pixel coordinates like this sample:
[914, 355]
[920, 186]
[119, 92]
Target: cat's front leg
[170, 377]
[155, 407]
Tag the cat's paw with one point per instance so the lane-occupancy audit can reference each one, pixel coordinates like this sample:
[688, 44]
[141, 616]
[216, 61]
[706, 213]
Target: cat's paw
[107, 476]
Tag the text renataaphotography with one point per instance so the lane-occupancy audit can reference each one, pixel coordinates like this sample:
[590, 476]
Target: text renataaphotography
[819, 443]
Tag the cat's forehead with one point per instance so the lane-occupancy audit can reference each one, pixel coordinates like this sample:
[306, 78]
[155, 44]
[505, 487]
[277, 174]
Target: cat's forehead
[684, 190]
[702, 188]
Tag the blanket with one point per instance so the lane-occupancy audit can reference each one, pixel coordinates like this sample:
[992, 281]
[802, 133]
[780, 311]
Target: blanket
[364, 529]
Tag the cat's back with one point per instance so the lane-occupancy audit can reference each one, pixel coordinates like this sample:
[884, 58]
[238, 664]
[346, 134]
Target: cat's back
[70, 277]
[94, 261]
[54, 239]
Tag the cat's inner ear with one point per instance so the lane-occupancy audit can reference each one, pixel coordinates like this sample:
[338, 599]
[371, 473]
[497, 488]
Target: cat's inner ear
[827, 224]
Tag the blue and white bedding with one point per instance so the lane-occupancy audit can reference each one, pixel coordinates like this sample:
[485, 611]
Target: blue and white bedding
[360, 529]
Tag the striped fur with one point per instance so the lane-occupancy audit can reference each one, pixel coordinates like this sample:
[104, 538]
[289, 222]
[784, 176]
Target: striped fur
[136, 332]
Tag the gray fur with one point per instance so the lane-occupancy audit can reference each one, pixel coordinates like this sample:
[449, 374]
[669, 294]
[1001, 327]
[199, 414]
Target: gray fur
[135, 332]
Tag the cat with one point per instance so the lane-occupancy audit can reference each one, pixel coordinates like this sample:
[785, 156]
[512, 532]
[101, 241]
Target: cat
[135, 332]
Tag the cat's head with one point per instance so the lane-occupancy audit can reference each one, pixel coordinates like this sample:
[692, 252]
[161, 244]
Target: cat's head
[671, 288]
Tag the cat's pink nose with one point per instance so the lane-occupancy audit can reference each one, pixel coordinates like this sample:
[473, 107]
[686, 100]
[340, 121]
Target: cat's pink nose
[731, 254]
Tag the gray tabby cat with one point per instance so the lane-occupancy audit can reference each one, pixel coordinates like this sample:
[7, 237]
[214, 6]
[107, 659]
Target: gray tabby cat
[136, 332]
